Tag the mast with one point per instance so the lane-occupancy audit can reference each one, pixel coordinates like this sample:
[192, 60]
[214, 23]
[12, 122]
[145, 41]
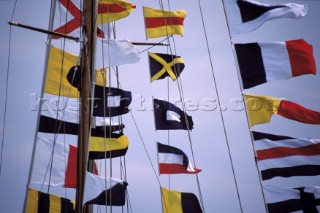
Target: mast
[87, 67]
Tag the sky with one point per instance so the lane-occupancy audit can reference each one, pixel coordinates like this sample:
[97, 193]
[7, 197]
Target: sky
[210, 147]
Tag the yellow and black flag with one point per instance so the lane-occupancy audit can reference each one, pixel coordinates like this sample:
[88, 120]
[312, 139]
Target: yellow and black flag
[42, 202]
[108, 147]
[63, 74]
[163, 65]
[179, 202]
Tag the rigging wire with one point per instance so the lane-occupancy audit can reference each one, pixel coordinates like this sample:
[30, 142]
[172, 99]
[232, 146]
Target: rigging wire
[169, 48]
[59, 122]
[246, 113]
[139, 132]
[57, 112]
[153, 45]
[104, 111]
[52, 11]
[180, 88]
[145, 148]
[109, 110]
[218, 100]
[7, 87]
[168, 82]
[182, 97]
[122, 166]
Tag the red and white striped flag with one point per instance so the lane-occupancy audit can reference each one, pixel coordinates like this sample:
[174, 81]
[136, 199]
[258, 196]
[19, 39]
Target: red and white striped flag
[280, 156]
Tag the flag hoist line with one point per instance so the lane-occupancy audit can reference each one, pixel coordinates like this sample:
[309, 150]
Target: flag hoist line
[179, 84]
[130, 111]
[181, 93]
[243, 100]
[122, 165]
[136, 125]
[116, 73]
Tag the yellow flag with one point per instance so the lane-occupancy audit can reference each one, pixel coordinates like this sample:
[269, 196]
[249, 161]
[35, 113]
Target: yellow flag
[160, 23]
[171, 201]
[59, 65]
[261, 108]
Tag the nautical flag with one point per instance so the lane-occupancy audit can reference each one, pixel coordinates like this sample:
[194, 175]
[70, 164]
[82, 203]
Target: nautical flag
[160, 23]
[115, 146]
[285, 199]
[59, 64]
[179, 202]
[117, 52]
[265, 62]
[109, 101]
[68, 110]
[112, 10]
[97, 188]
[39, 202]
[61, 67]
[261, 108]
[280, 156]
[51, 125]
[163, 65]
[266, 136]
[168, 116]
[174, 161]
[108, 11]
[246, 15]
[103, 143]
[59, 156]
[63, 79]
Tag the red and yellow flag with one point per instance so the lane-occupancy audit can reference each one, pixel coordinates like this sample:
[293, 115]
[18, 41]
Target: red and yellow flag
[111, 10]
[108, 11]
[163, 22]
[261, 108]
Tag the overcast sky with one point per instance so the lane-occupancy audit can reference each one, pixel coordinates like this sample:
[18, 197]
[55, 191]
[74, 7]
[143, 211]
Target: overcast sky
[208, 139]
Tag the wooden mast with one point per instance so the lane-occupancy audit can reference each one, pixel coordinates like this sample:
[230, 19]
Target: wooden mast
[87, 67]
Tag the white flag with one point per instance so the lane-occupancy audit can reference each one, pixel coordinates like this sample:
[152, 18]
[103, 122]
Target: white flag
[116, 52]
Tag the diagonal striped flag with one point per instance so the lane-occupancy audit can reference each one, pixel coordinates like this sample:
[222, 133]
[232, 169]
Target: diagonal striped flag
[104, 191]
[108, 11]
[163, 65]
